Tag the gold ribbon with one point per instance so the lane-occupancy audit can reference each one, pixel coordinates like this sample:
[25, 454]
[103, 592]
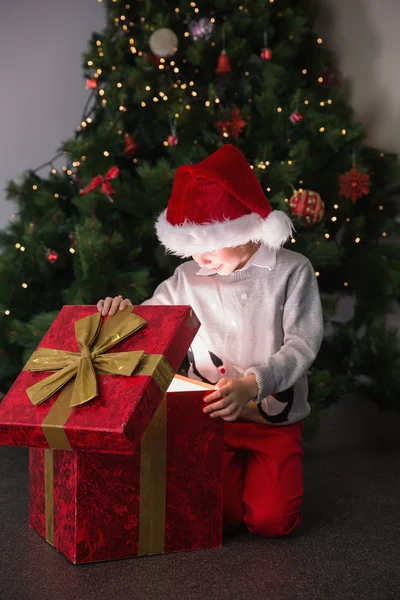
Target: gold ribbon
[153, 472]
[94, 341]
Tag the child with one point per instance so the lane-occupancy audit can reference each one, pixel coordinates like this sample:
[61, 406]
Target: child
[261, 328]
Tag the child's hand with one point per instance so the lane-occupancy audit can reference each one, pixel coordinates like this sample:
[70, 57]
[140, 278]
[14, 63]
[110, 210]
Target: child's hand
[232, 396]
[109, 306]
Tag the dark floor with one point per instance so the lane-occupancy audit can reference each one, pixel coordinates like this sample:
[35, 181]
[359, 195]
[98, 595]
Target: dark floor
[348, 546]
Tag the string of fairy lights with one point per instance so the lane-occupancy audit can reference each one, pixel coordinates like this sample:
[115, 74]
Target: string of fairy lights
[97, 97]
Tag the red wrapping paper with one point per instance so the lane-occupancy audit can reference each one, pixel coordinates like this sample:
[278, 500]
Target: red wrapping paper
[115, 420]
[97, 496]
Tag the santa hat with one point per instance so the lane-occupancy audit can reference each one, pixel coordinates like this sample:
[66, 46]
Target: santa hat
[219, 203]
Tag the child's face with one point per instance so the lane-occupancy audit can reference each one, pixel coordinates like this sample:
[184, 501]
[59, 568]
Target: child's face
[226, 260]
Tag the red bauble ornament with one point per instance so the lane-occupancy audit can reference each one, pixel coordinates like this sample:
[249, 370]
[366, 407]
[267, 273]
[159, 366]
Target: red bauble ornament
[51, 256]
[223, 65]
[266, 54]
[91, 84]
[295, 117]
[354, 184]
[308, 207]
[172, 140]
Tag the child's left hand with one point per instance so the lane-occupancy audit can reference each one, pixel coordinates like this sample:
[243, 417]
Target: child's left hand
[232, 396]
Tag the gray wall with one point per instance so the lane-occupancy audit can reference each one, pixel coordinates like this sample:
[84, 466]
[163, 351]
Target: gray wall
[42, 87]
[365, 36]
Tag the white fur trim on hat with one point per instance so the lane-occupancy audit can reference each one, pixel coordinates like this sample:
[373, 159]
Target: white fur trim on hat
[189, 238]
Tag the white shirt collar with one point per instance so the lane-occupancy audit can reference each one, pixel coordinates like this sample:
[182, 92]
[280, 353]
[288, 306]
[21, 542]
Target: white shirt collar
[265, 258]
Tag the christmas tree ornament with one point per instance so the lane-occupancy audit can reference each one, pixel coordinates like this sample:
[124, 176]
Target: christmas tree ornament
[333, 78]
[266, 53]
[163, 42]
[172, 139]
[307, 206]
[51, 255]
[91, 84]
[72, 239]
[295, 117]
[130, 146]
[354, 184]
[104, 182]
[201, 29]
[150, 58]
[223, 65]
[232, 126]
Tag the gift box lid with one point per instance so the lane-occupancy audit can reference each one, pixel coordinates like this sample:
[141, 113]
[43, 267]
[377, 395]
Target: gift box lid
[114, 420]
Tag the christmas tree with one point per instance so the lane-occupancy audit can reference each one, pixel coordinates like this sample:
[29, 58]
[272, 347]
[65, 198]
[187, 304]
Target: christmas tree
[168, 84]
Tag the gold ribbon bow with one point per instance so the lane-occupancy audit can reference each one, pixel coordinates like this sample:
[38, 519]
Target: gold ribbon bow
[94, 341]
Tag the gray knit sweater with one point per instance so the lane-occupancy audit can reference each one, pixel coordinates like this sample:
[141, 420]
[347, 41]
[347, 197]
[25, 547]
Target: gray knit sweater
[265, 318]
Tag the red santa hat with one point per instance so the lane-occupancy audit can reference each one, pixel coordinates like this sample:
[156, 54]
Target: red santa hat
[219, 203]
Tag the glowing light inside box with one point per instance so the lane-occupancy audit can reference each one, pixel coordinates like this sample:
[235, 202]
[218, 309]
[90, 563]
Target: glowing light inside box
[184, 384]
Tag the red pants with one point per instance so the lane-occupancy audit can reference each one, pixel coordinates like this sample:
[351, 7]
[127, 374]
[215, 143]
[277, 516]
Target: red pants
[263, 477]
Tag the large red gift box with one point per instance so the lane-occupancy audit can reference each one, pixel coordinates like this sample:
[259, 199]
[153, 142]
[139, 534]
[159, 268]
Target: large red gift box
[129, 468]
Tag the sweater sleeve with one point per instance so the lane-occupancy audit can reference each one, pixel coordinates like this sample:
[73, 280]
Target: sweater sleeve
[168, 292]
[303, 330]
